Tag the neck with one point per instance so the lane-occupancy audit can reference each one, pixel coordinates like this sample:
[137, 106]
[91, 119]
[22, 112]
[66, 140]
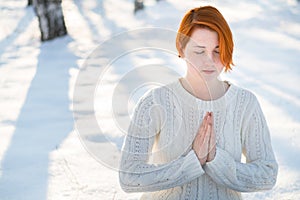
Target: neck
[204, 89]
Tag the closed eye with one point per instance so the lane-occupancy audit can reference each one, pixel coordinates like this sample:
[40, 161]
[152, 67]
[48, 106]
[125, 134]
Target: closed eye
[217, 50]
[198, 52]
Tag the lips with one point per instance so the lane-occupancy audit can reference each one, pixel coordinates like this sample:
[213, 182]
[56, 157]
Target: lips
[208, 71]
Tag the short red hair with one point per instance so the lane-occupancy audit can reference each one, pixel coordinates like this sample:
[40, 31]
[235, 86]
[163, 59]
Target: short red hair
[210, 17]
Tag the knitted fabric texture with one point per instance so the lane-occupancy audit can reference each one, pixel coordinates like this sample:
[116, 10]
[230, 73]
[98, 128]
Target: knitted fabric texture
[157, 155]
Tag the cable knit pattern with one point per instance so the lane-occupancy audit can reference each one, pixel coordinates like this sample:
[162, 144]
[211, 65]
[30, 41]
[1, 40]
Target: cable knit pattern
[158, 158]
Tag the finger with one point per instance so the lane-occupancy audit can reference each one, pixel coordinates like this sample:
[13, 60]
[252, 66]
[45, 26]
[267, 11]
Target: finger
[212, 142]
[201, 134]
[202, 127]
[205, 143]
[208, 133]
[209, 118]
[212, 138]
[212, 119]
[201, 141]
[213, 134]
[204, 124]
[212, 145]
[211, 155]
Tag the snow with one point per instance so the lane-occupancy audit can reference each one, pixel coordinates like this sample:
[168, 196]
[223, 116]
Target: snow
[51, 146]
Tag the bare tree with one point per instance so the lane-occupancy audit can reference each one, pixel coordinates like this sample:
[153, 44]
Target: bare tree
[51, 19]
[139, 5]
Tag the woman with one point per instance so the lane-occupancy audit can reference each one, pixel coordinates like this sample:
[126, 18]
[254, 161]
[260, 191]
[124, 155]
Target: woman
[186, 139]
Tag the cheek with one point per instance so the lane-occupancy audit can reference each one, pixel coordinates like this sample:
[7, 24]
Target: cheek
[219, 66]
[218, 63]
[195, 60]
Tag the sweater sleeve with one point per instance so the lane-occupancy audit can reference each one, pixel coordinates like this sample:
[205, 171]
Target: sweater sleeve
[260, 170]
[136, 174]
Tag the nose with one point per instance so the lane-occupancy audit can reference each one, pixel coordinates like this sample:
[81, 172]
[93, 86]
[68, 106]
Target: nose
[209, 61]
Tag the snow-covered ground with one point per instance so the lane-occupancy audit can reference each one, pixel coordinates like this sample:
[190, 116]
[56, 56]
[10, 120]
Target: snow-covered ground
[45, 155]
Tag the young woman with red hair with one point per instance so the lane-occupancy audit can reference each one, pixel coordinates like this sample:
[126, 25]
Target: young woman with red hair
[186, 139]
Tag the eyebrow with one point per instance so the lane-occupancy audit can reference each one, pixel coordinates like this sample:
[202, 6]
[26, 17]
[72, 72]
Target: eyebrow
[203, 47]
[199, 46]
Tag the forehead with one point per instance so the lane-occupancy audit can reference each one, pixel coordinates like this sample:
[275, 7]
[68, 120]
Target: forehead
[204, 37]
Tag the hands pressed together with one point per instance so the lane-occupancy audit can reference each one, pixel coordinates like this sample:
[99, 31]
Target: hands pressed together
[204, 143]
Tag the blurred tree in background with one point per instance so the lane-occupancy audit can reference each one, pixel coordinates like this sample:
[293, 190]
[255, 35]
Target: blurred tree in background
[139, 5]
[51, 18]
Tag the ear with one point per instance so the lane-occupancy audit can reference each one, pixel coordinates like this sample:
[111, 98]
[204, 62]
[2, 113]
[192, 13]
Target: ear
[181, 52]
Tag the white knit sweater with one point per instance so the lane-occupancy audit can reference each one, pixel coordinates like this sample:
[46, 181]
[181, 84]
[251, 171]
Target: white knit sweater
[158, 158]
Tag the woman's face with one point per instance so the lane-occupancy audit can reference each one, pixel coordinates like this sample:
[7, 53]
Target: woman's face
[202, 54]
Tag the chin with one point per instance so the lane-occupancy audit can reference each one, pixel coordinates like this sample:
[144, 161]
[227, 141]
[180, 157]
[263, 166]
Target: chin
[209, 77]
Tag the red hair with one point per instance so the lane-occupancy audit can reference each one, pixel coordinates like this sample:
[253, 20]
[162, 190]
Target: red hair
[209, 17]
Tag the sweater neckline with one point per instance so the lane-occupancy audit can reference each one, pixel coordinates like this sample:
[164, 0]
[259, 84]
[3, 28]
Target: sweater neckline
[210, 105]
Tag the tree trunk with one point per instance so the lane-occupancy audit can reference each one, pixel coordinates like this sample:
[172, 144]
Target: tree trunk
[138, 5]
[29, 3]
[51, 19]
